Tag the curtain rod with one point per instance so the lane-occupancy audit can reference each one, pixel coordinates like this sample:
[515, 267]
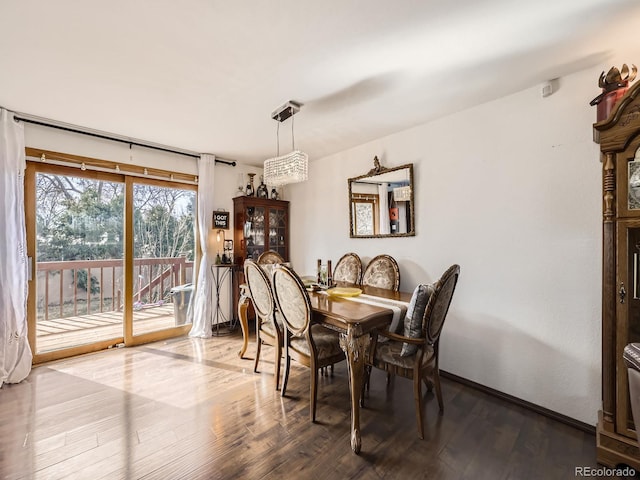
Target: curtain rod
[115, 139]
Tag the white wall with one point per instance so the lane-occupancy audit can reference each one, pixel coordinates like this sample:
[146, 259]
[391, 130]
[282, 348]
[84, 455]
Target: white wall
[510, 190]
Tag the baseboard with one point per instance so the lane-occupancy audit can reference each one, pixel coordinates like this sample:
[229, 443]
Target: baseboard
[585, 427]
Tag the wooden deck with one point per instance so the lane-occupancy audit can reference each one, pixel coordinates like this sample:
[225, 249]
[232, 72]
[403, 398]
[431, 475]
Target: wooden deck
[55, 334]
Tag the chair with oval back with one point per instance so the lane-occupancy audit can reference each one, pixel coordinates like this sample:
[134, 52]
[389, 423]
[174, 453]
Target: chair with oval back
[269, 329]
[310, 344]
[414, 355]
[382, 272]
[348, 269]
[269, 257]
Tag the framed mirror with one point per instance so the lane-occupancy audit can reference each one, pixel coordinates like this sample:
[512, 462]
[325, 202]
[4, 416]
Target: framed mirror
[381, 202]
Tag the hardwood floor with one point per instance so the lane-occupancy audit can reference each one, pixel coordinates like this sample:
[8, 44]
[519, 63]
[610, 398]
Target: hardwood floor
[191, 409]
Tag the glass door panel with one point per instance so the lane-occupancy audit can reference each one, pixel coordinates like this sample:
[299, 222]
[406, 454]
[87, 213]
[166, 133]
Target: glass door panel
[164, 248]
[277, 231]
[79, 266]
[254, 232]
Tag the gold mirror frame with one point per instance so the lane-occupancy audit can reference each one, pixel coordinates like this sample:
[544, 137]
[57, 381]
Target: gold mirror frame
[375, 171]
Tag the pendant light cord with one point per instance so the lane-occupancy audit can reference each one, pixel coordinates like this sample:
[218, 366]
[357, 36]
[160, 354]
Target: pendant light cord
[293, 139]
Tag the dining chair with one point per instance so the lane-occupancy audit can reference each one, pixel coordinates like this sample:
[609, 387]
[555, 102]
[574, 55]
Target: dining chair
[414, 355]
[269, 329]
[631, 358]
[348, 269]
[312, 345]
[269, 257]
[382, 272]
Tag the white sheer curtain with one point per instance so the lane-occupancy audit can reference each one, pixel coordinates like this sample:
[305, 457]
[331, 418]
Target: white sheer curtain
[15, 353]
[200, 308]
[383, 194]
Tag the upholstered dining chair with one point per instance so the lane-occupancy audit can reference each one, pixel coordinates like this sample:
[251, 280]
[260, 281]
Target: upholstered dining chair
[348, 269]
[414, 355]
[312, 345]
[269, 329]
[382, 272]
[270, 257]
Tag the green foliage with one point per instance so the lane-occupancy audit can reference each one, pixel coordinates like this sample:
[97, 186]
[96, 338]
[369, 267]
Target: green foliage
[81, 282]
[82, 219]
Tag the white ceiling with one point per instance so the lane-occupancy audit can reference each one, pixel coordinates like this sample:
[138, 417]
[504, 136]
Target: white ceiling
[205, 75]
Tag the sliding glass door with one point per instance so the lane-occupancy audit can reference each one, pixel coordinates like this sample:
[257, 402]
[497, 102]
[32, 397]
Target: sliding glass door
[79, 258]
[163, 251]
[113, 259]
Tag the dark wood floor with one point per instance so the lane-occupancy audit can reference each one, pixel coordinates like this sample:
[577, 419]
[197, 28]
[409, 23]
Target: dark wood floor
[191, 409]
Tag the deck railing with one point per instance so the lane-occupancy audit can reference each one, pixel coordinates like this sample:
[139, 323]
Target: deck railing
[62, 285]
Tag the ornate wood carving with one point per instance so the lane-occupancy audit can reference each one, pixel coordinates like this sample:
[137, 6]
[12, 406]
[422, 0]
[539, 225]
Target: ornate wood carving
[616, 443]
[609, 188]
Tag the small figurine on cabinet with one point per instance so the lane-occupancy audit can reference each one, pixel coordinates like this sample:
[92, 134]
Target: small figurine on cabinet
[262, 191]
[250, 190]
[274, 194]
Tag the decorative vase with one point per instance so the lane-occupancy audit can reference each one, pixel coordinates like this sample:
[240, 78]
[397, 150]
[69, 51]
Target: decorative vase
[250, 190]
[262, 191]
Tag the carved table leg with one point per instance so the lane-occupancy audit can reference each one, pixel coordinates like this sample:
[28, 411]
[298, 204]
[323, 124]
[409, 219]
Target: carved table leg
[243, 305]
[354, 346]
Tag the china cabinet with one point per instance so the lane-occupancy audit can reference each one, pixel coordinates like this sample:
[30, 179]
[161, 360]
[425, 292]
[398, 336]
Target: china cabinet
[260, 224]
[619, 140]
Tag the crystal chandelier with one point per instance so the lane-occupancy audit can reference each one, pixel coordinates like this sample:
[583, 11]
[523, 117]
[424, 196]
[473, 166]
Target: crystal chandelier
[289, 168]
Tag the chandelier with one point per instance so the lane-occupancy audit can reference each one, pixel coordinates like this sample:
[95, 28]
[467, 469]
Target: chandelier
[289, 168]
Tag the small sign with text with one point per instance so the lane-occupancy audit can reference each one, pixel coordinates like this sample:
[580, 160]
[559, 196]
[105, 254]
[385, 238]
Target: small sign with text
[221, 220]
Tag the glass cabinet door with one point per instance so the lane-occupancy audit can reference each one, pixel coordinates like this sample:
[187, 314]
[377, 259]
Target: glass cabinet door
[277, 231]
[628, 311]
[254, 231]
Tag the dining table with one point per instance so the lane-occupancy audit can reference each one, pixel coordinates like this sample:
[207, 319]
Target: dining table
[354, 317]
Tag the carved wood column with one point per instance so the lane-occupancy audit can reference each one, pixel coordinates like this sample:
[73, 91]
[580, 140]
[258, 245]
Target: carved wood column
[609, 294]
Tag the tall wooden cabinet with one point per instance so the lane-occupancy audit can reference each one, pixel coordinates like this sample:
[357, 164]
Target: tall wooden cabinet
[259, 224]
[619, 139]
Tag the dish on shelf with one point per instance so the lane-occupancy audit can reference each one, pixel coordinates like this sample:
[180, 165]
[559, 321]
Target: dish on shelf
[344, 292]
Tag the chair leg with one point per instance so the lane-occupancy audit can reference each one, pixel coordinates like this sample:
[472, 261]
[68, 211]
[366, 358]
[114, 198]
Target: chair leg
[285, 379]
[428, 384]
[332, 369]
[255, 365]
[278, 350]
[417, 396]
[436, 382]
[314, 393]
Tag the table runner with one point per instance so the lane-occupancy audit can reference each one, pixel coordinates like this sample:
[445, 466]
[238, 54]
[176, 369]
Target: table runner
[398, 307]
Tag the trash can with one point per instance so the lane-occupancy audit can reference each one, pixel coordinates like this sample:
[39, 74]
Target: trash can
[181, 297]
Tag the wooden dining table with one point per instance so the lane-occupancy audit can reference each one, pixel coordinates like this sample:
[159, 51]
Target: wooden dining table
[355, 321]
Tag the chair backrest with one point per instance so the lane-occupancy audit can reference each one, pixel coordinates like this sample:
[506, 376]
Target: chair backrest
[292, 299]
[438, 305]
[269, 257]
[348, 269]
[382, 272]
[259, 288]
